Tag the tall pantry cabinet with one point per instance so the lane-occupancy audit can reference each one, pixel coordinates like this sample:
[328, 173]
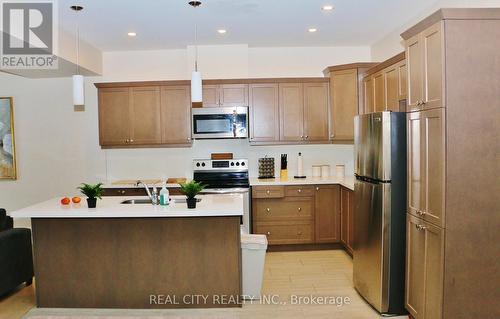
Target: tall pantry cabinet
[452, 124]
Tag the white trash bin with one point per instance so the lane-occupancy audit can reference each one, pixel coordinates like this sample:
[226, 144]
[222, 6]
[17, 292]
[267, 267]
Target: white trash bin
[253, 256]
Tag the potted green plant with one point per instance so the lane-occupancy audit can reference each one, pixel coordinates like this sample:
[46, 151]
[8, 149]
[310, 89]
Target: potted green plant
[191, 189]
[93, 192]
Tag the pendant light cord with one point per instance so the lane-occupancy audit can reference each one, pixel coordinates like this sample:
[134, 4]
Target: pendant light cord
[77, 45]
[195, 43]
[195, 47]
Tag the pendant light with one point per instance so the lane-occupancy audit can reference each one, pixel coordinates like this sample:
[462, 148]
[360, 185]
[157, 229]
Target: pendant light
[78, 80]
[196, 88]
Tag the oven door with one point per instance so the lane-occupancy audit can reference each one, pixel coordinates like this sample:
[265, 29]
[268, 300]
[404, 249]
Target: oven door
[221, 122]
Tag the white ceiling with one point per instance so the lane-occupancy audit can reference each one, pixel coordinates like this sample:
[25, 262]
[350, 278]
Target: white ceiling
[168, 24]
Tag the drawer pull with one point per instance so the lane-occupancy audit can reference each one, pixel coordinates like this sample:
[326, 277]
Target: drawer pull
[268, 192]
[268, 233]
[299, 190]
[421, 213]
[300, 209]
[268, 210]
[420, 227]
[299, 233]
[317, 188]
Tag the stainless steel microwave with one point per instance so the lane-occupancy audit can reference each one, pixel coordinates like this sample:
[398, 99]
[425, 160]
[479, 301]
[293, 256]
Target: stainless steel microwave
[220, 122]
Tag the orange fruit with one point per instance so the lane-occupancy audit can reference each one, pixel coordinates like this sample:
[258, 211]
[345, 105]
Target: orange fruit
[76, 199]
[65, 201]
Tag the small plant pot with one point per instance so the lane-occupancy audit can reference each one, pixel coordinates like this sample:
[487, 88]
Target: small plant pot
[91, 202]
[191, 202]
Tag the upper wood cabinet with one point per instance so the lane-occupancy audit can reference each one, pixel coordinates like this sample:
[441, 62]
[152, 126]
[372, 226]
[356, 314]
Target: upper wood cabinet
[316, 104]
[379, 91]
[291, 105]
[176, 114]
[346, 93]
[114, 116]
[218, 95]
[264, 112]
[129, 116]
[369, 96]
[425, 68]
[327, 213]
[385, 86]
[424, 269]
[144, 116]
[303, 111]
[426, 165]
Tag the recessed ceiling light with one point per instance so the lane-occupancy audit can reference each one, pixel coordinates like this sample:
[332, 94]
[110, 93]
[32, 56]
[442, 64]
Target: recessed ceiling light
[312, 30]
[131, 34]
[222, 31]
[327, 7]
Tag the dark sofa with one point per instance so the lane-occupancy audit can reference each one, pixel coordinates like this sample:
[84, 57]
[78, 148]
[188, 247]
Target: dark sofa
[16, 259]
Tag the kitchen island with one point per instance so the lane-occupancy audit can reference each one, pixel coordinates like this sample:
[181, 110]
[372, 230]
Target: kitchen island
[137, 255]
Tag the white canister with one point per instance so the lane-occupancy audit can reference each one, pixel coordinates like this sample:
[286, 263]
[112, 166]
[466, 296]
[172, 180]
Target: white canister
[316, 170]
[340, 171]
[325, 171]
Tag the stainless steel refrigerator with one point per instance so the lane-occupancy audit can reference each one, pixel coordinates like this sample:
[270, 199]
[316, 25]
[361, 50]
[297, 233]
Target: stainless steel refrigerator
[380, 210]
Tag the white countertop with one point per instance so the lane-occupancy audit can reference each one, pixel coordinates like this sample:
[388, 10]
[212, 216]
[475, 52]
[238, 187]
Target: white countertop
[347, 181]
[110, 207]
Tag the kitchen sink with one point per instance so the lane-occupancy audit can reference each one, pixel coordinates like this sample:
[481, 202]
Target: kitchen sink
[136, 201]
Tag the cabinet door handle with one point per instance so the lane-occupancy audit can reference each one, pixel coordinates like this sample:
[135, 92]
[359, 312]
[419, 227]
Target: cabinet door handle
[189, 139]
[268, 192]
[299, 233]
[299, 209]
[127, 140]
[302, 136]
[268, 233]
[307, 137]
[268, 210]
[420, 227]
[421, 213]
[317, 188]
[299, 190]
[131, 141]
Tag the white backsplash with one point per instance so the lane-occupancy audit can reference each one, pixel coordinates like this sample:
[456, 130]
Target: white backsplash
[177, 162]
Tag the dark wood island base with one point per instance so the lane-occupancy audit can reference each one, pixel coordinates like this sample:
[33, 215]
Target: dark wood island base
[139, 263]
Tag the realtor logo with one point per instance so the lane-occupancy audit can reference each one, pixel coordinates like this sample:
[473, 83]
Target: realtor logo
[28, 35]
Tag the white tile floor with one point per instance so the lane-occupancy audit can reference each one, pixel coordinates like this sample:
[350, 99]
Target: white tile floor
[326, 273]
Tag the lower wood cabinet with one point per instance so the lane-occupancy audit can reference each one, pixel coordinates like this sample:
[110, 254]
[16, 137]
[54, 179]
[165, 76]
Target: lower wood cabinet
[347, 218]
[424, 268]
[299, 214]
[327, 218]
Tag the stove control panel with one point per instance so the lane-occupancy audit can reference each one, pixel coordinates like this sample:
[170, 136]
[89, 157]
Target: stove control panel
[214, 165]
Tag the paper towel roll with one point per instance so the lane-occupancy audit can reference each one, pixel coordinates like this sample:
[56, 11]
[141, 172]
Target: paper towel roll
[300, 165]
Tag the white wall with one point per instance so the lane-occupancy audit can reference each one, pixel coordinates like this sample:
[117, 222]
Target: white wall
[228, 61]
[392, 43]
[50, 141]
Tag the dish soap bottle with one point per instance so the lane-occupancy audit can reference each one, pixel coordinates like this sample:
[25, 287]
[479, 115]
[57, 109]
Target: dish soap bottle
[164, 195]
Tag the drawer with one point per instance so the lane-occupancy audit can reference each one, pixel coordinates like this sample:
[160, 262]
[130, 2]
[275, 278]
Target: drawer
[268, 191]
[282, 209]
[300, 190]
[286, 233]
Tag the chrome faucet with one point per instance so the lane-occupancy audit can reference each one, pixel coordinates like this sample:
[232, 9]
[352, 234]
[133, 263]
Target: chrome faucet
[152, 195]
